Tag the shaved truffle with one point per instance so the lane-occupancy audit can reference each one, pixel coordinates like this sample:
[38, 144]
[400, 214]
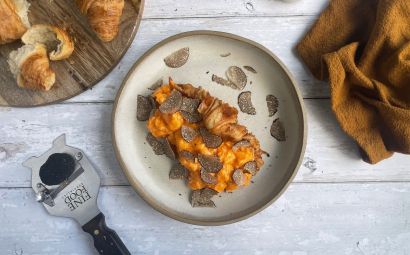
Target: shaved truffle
[201, 198]
[211, 164]
[190, 104]
[208, 177]
[155, 144]
[240, 144]
[168, 151]
[191, 117]
[245, 103]
[237, 76]
[144, 108]
[188, 133]
[177, 58]
[223, 82]
[156, 84]
[278, 131]
[251, 167]
[210, 140]
[173, 103]
[238, 177]
[273, 104]
[187, 155]
[178, 171]
[250, 69]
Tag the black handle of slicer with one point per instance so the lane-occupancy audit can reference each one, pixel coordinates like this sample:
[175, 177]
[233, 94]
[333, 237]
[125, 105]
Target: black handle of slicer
[106, 240]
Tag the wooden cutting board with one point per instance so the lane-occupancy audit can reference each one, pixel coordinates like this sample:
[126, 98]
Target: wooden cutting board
[91, 60]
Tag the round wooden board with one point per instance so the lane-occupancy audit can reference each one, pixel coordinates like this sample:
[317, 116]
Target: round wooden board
[91, 60]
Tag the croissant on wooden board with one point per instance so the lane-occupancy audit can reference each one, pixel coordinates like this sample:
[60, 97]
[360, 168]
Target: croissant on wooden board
[31, 67]
[57, 41]
[220, 118]
[103, 15]
[13, 19]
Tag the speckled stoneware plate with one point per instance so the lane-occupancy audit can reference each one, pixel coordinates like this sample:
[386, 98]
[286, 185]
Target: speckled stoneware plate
[148, 173]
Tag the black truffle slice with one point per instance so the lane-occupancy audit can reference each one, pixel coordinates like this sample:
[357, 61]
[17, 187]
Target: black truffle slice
[278, 131]
[168, 151]
[188, 155]
[210, 140]
[57, 168]
[208, 193]
[191, 117]
[155, 144]
[245, 103]
[250, 167]
[208, 177]
[238, 177]
[273, 104]
[144, 107]
[250, 69]
[200, 199]
[223, 82]
[237, 76]
[190, 104]
[156, 84]
[211, 164]
[177, 58]
[188, 133]
[240, 144]
[172, 104]
[178, 171]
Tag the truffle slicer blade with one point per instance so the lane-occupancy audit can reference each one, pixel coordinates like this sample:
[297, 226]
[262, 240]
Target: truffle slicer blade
[76, 196]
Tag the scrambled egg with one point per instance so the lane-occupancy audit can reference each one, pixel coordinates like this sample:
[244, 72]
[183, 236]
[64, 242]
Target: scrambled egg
[169, 125]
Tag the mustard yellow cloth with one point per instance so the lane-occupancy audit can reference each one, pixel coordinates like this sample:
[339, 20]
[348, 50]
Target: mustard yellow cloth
[363, 48]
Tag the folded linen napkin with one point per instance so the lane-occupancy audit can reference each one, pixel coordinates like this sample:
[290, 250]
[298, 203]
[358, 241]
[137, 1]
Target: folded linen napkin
[363, 48]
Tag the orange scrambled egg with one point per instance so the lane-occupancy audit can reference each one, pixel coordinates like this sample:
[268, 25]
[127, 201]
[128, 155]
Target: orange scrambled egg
[169, 125]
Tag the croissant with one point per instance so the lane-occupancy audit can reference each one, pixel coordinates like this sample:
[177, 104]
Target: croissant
[103, 16]
[57, 41]
[31, 67]
[13, 19]
[220, 118]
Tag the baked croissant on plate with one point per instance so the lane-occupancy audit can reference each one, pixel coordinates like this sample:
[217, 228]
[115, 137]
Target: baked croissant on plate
[103, 15]
[13, 20]
[220, 118]
[31, 67]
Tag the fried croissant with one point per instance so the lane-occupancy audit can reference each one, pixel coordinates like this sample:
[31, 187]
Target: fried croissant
[220, 118]
[13, 19]
[103, 15]
[31, 67]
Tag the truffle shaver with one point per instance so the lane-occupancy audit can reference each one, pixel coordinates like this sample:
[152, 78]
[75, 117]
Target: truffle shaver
[66, 183]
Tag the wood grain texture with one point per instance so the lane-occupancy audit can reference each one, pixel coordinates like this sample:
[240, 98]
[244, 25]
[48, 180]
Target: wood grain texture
[330, 156]
[232, 8]
[92, 59]
[309, 219]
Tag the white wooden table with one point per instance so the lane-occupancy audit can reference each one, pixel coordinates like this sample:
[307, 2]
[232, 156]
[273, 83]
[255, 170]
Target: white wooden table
[337, 204]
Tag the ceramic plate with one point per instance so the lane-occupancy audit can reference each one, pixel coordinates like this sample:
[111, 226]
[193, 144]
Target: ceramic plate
[148, 173]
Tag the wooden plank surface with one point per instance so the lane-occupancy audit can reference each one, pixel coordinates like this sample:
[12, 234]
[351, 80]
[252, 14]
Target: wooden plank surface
[307, 219]
[279, 34]
[330, 156]
[336, 205]
[237, 8]
[91, 60]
